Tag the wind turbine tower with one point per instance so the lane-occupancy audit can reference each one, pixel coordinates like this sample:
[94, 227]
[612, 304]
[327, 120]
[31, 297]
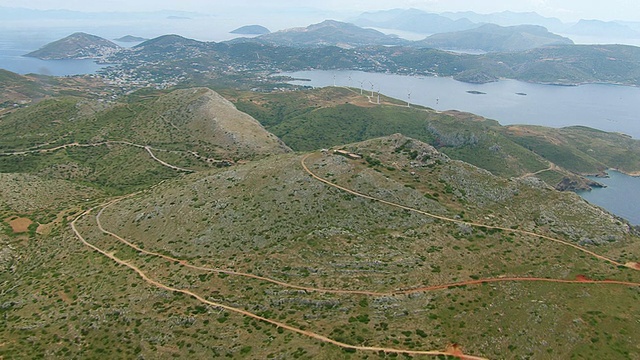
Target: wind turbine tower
[361, 86]
[409, 99]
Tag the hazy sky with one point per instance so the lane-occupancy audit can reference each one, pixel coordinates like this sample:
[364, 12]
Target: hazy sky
[567, 10]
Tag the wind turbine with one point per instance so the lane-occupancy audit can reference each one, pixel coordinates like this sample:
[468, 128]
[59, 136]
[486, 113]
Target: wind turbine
[408, 98]
[334, 80]
[371, 88]
[361, 86]
[378, 94]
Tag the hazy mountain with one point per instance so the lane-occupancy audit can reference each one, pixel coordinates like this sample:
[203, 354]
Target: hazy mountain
[76, 46]
[602, 29]
[251, 30]
[131, 38]
[331, 32]
[412, 20]
[495, 38]
[509, 18]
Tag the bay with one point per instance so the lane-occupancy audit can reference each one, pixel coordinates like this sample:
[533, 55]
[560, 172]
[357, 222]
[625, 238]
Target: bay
[11, 51]
[605, 107]
[621, 196]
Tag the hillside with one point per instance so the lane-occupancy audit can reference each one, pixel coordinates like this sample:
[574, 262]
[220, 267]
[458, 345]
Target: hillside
[169, 224]
[17, 89]
[330, 33]
[264, 253]
[193, 128]
[307, 121]
[76, 46]
[495, 38]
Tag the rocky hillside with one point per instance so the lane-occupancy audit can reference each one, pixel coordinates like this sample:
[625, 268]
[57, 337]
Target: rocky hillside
[76, 46]
[271, 219]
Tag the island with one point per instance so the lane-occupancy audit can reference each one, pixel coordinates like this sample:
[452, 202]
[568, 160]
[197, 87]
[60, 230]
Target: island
[131, 39]
[251, 30]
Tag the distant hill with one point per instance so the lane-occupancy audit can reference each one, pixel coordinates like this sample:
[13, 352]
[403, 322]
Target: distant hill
[131, 38]
[412, 20]
[76, 46]
[168, 47]
[15, 89]
[331, 32]
[251, 30]
[603, 29]
[508, 18]
[495, 38]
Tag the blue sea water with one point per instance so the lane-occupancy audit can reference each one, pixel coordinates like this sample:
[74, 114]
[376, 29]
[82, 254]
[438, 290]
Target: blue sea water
[621, 196]
[12, 59]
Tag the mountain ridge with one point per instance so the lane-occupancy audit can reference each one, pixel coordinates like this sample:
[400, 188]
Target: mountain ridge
[496, 38]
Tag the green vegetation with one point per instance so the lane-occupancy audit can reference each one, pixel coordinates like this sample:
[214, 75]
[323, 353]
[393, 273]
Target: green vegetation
[267, 217]
[305, 120]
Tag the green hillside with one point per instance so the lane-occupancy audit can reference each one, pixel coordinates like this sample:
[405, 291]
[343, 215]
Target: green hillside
[305, 121]
[192, 129]
[171, 225]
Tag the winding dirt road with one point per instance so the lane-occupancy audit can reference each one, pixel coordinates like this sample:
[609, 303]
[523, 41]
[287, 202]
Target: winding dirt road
[339, 291]
[75, 144]
[313, 335]
[444, 218]
[309, 334]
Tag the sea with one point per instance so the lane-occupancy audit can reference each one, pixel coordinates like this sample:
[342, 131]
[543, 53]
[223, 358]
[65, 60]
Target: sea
[621, 196]
[600, 106]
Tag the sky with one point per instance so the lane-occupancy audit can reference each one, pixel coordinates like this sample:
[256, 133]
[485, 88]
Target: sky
[566, 10]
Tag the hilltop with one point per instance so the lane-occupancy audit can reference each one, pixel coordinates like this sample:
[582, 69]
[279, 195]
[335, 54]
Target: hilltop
[495, 38]
[76, 46]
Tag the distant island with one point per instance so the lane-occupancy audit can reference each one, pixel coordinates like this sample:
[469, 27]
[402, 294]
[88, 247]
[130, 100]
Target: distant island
[495, 38]
[131, 38]
[251, 30]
